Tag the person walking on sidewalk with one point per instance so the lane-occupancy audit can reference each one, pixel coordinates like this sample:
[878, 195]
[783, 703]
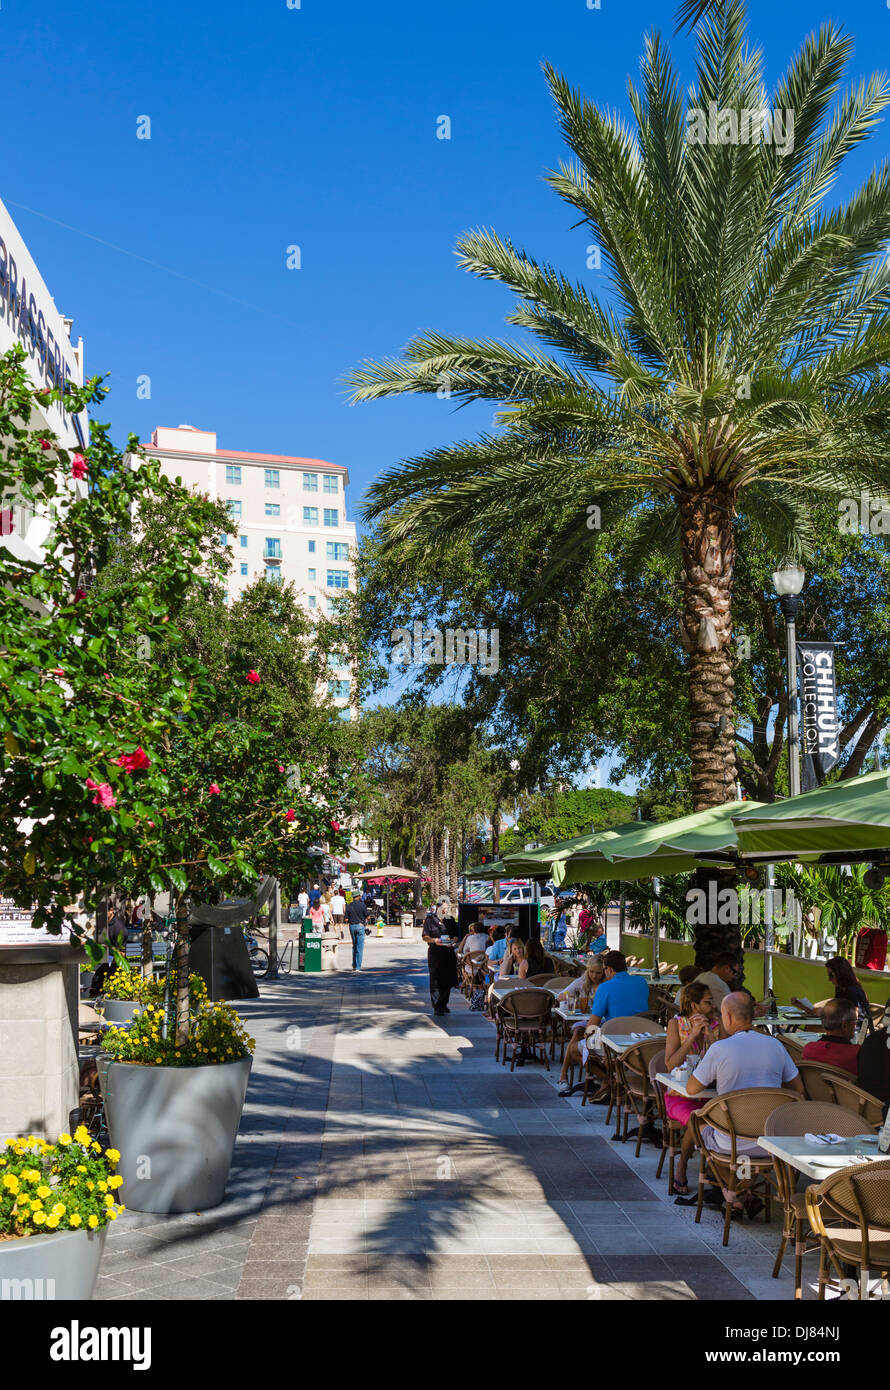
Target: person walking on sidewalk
[439, 932]
[356, 913]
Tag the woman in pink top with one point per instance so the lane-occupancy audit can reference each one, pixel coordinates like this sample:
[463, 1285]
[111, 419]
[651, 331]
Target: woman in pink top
[317, 915]
[689, 1035]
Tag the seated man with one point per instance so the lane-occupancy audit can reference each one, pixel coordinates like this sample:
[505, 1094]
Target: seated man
[620, 993]
[743, 1059]
[598, 942]
[835, 1047]
[719, 979]
[873, 1062]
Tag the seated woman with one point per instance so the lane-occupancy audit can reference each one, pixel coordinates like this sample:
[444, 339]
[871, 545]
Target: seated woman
[535, 958]
[689, 1035]
[515, 961]
[842, 977]
[585, 986]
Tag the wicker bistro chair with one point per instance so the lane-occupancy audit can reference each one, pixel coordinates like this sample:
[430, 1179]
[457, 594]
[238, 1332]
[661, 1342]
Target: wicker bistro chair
[509, 982]
[793, 1045]
[859, 1198]
[636, 1086]
[802, 1117]
[539, 981]
[816, 1077]
[473, 971]
[605, 1068]
[662, 1005]
[738, 1115]
[525, 1022]
[671, 1130]
[844, 1091]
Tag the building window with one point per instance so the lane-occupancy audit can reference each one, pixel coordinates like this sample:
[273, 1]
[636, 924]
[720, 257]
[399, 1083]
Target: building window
[331, 516]
[244, 569]
[234, 508]
[313, 601]
[310, 516]
[331, 606]
[338, 690]
[223, 540]
[345, 712]
[233, 475]
[311, 545]
[243, 542]
[310, 482]
[273, 477]
[338, 579]
[272, 548]
[273, 574]
[337, 550]
[336, 661]
[330, 482]
[312, 576]
[273, 509]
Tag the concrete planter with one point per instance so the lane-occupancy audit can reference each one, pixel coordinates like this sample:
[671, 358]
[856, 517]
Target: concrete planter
[118, 1011]
[175, 1128]
[61, 1265]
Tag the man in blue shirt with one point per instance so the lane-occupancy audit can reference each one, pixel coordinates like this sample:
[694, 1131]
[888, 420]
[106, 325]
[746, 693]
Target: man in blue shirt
[620, 994]
[498, 948]
[599, 942]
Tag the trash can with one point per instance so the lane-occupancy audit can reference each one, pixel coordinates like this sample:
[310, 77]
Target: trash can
[407, 926]
[310, 952]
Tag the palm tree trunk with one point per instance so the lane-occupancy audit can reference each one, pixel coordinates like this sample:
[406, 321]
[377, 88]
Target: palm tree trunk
[708, 554]
[708, 550]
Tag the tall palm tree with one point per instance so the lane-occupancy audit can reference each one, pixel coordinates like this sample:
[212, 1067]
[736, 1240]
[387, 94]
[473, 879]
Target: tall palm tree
[738, 371]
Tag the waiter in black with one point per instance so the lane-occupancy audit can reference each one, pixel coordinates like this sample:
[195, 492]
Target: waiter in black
[437, 925]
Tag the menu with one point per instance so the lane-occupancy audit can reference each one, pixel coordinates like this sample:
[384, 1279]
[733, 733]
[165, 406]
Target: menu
[16, 928]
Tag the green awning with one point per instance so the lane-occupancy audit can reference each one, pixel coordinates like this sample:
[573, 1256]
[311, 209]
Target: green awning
[493, 870]
[657, 850]
[852, 816]
[527, 863]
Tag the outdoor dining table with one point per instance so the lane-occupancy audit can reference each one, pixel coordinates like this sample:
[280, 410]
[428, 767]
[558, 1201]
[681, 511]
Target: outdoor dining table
[678, 1085]
[620, 1042]
[819, 1161]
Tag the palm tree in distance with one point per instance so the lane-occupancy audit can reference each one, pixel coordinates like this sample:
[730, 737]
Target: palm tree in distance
[736, 374]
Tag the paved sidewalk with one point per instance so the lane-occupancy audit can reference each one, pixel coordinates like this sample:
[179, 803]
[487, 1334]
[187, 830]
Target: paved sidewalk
[384, 1154]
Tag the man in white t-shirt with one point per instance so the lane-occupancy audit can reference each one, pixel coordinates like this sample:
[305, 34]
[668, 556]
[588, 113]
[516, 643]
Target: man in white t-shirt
[303, 900]
[743, 1059]
[338, 908]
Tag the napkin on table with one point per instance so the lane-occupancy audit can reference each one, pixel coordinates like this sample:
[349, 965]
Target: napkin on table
[823, 1138]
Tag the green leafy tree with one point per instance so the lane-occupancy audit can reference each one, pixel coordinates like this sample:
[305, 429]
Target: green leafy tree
[739, 374]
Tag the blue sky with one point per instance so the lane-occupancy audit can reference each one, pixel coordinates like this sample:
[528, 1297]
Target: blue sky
[316, 127]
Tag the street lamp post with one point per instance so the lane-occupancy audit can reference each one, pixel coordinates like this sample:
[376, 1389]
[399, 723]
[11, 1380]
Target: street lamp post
[789, 580]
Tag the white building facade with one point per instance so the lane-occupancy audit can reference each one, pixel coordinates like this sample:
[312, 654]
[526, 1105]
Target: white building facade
[288, 523]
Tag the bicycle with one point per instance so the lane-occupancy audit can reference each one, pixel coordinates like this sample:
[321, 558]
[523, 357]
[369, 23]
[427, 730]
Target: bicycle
[260, 962]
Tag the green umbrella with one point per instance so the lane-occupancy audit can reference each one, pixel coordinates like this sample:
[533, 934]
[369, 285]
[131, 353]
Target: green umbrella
[652, 851]
[493, 870]
[849, 816]
[535, 862]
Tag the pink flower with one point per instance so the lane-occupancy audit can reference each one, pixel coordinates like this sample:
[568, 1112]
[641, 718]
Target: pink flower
[253, 678]
[107, 677]
[79, 594]
[78, 466]
[57, 671]
[134, 762]
[104, 796]
[152, 824]
[290, 815]
[335, 826]
[214, 789]
[45, 444]
[280, 768]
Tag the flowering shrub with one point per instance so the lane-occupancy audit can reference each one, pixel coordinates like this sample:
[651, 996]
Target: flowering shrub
[216, 1034]
[66, 1186]
[128, 983]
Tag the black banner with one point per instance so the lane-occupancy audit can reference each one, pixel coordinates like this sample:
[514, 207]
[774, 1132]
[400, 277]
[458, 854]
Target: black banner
[819, 722]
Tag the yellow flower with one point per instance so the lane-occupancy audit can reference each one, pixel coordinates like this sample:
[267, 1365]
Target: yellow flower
[82, 1135]
[64, 1140]
[116, 1181]
[72, 1182]
[36, 1203]
[81, 1167]
[52, 1222]
[103, 1185]
[97, 1148]
[90, 1186]
[112, 1215]
[93, 1222]
[109, 1200]
[44, 1192]
[39, 1218]
[113, 1155]
[75, 1219]
[59, 1209]
[12, 1182]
